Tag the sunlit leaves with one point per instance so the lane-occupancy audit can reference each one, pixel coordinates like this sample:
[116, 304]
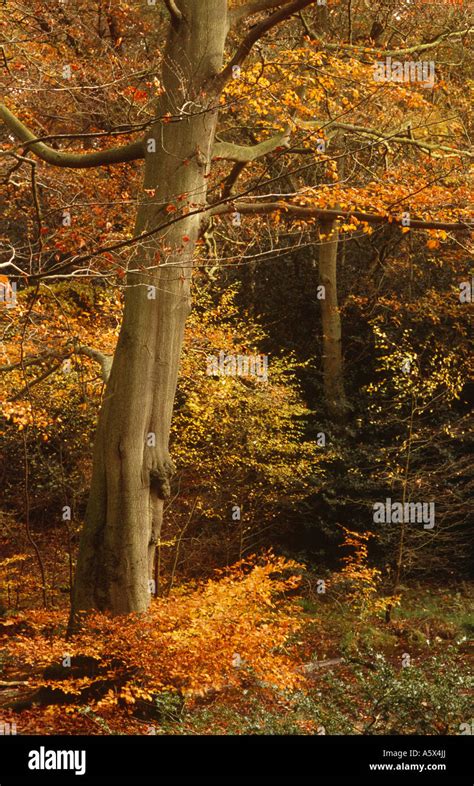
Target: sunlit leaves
[359, 582]
[187, 642]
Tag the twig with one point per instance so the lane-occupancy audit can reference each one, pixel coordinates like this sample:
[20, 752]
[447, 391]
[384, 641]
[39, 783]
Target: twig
[179, 543]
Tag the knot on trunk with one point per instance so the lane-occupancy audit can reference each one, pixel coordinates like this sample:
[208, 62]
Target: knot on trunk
[160, 478]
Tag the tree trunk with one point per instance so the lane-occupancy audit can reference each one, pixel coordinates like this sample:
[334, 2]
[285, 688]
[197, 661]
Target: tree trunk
[333, 379]
[132, 467]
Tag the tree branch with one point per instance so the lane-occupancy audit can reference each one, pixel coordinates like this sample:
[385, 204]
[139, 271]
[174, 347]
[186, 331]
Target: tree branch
[36, 381]
[176, 14]
[432, 147]
[247, 153]
[225, 207]
[244, 11]
[232, 178]
[33, 361]
[256, 33]
[396, 52]
[299, 211]
[114, 155]
[398, 138]
[105, 361]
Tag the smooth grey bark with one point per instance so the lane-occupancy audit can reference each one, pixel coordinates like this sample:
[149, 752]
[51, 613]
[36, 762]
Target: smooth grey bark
[132, 466]
[114, 155]
[333, 380]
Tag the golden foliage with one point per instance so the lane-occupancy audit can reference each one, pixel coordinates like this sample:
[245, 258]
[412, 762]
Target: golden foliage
[204, 638]
[361, 583]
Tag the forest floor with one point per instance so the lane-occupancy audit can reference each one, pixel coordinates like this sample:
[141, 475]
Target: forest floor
[356, 673]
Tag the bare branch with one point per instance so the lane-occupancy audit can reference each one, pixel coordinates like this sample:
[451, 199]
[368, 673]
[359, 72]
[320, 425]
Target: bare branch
[105, 361]
[33, 361]
[432, 147]
[246, 153]
[36, 381]
[398, 138]
[114, 155]
[396, 52]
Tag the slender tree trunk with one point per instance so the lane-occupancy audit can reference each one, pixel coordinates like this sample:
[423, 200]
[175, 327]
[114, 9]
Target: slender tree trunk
[333, 379]
[132, 467]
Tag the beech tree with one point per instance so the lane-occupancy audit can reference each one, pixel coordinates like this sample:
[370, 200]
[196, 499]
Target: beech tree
[132, 467]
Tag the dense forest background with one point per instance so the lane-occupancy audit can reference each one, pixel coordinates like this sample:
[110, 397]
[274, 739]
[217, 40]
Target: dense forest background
[273, 586]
